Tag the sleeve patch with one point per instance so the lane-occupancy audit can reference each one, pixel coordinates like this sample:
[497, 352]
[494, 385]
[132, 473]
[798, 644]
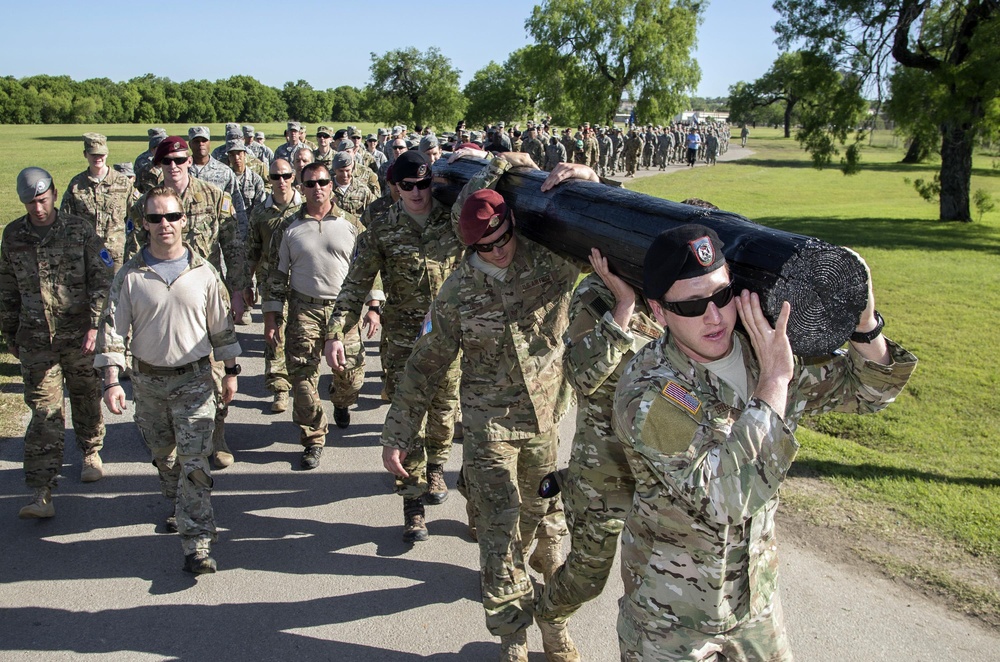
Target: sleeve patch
[106, 258]
[667, 429]
[129, 226]
[227, 203]
[675, 393]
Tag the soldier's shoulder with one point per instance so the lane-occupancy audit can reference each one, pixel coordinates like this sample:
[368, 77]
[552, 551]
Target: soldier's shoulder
[14, 226]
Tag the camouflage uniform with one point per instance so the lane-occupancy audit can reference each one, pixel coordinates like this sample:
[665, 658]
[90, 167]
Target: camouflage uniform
[52, 289]
[648, 147]
[632, 150]
[325, 159]
[554, 155]
[286, 151]
[664, 148]
[175, 405]
[251, 188]
[221, 175]
[509, 334]
[591, 152]
[607, 150]
[534, 148]
[308, 319]
[699, 554]
[414, 262]
[368, 177]
[212, 233]
[265, 219]
[147, 175]
[106, 204]
[598, 485]
[355, 198]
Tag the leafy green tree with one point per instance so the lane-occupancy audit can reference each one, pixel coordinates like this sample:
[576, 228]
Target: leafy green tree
[306, 104]
[957, 44]
[346, 103]
[611, 47]
[415, 88]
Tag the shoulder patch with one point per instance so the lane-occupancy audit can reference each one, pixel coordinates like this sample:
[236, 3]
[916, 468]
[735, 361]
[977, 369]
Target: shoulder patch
[678, 395]
[106, 258]
[129, 226]
[227, 203]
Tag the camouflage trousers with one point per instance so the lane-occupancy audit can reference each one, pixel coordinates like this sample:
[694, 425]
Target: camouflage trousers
[434, 445]
[176, 416]
[275, 372]
[502, 478]
[597, 495]
[630, 164]
[760, 639]
[43, 372]
[304, 341]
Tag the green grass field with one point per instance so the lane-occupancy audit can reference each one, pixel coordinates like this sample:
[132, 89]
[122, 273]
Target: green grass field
[930, 463]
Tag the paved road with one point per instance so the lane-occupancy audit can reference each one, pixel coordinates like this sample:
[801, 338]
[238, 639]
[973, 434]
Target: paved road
[312, 566]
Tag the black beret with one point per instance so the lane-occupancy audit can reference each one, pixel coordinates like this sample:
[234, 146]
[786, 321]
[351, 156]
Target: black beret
[410, 164]
[680, 253]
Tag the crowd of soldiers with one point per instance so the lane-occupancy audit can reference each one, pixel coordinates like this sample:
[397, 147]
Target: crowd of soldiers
[146, 269]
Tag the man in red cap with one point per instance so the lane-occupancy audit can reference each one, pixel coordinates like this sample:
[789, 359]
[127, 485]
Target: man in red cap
[212, 232]
[505, 310]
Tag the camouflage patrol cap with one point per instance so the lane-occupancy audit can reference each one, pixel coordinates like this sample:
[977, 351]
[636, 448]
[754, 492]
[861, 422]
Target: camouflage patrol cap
[235, 145]
[371, 137]
[247, 131]
[94, 143]
[482, 214]
[343, 160]
[345, 145]
[32, 182]
[324, 129]
[382, 132]
[125, 169]
[353, 132]
[259, 134]
[156, 136]
[500, 125]
[294, 126]
[169, 145]
[428, 142]
[233, 133]
[199, 132]
[683, 252]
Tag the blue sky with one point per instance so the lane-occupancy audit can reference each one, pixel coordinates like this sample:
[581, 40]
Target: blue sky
[325, 43]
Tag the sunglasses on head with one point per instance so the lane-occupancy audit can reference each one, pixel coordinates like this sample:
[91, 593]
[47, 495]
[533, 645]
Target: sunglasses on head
[499, 243]
[176, 160]
[275, 176]
[171, 217]
[697, 307]
[409, 186]
[313, 183]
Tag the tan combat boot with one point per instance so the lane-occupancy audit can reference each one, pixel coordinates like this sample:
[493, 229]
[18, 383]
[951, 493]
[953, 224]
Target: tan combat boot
[92, 470]
[547, 557]
[280, 403]
[556, 642]
[514, 647]
[41, 505]
[222, 456]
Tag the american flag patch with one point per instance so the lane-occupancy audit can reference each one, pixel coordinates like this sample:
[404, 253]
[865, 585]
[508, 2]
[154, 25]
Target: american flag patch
[675, 393]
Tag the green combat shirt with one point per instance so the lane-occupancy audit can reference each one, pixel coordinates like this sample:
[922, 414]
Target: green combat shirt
[212, 229]
[106, 204]
[699, 546]
[51, 288]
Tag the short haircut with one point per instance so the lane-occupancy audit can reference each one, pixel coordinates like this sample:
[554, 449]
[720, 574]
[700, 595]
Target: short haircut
[162, 192]
[315, 165]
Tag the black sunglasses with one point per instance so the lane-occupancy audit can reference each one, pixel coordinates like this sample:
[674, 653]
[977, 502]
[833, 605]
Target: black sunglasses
[697, 307]
[399, 146]
[176, 160]
[171, 217]
[281, 175]
[499, 243]
[313, 183]
[421, 185]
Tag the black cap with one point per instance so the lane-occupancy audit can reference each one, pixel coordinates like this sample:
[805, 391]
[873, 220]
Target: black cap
[680, 253]
[410, 164]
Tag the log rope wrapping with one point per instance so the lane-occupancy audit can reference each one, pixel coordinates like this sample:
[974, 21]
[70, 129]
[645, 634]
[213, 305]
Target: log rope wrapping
[825, 284]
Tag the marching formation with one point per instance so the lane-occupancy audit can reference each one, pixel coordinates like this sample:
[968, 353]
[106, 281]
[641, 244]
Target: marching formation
[687, 396]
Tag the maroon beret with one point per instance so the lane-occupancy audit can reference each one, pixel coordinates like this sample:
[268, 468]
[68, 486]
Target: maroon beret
[482, 214]
[170, 144]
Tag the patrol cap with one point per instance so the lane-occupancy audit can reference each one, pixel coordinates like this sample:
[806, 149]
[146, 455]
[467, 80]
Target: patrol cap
[247, 131]
[325, 129]
[500, 125]
[345, 145]
[233, 133]
[94, 143]
[396, 130]
[125, 169]
[483, 212]
[235, 145]
[410, 164]
[258, 134]
[371, 137]
[684, 252]
[353, 132]
[32, 182]
[428, 142]
[169, 145]
[343, 160]
[294, 126]
[199, 132]
[156, 136]
[382, 132]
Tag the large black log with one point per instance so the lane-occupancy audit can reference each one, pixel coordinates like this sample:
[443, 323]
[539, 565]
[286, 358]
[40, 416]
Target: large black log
[824, 284]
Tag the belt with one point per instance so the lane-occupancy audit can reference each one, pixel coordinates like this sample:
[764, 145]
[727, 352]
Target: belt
[309, 299]
[147, 369]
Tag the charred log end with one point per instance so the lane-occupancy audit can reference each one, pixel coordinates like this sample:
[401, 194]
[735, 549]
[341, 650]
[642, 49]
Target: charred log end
[827, 288]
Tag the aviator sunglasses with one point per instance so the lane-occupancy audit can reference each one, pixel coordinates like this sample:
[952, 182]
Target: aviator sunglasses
[171, 217]
[697, 307]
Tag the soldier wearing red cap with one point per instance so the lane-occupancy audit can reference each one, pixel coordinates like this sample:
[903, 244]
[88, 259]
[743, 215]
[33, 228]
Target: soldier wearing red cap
[505, 309]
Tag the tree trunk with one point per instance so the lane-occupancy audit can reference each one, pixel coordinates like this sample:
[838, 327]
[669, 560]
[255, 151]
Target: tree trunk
[956, 171]
[788, 118]
[917, 152]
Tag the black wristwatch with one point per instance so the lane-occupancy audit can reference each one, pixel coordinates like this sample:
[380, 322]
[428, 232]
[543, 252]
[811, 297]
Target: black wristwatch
[859, 337]
[375, 309]
[235, 370]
